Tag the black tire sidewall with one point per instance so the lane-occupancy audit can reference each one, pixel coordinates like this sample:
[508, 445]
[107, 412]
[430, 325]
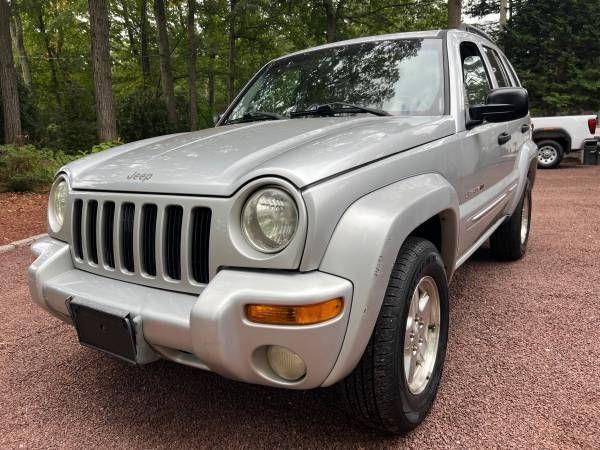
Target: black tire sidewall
[516, 219]
[506, 242]
[417, 406]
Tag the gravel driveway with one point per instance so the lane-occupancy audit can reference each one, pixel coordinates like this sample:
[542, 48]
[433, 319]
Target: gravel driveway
[22, 215]
[523, 365]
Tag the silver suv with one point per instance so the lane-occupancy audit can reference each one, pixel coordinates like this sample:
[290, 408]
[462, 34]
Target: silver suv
[309, 238]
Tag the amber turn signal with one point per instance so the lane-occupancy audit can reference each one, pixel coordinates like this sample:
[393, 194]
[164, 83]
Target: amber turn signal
[295, 315]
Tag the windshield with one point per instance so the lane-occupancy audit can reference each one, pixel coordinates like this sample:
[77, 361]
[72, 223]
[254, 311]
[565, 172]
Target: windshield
[402, 77]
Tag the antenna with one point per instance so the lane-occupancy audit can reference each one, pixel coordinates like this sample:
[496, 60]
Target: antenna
[473, 29]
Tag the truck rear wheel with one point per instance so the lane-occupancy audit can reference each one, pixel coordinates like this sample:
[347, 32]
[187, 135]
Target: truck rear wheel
[550, 154]
[509, 241]
[396, 381]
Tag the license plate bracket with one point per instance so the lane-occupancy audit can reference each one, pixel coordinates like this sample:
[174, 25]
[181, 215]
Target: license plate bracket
[108, 330]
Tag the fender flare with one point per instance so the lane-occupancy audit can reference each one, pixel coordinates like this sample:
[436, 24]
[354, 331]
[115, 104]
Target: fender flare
[527, 164]
[365, 245]
[553, 133]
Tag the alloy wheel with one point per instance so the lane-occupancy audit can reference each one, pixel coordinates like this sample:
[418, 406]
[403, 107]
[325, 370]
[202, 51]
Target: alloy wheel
[421, 336]
[525, 218]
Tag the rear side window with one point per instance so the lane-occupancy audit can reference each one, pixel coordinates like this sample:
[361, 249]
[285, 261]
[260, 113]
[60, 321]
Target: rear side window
[497, 68]
[511, 71]
[475, 77]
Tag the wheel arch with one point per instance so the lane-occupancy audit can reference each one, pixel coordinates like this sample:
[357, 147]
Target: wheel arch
[441, 229]
[559, 135]
[532, 171]
[376, 226]
[527, 169]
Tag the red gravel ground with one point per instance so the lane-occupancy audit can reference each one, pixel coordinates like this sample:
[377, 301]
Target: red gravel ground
[22, 216]
[522, 369]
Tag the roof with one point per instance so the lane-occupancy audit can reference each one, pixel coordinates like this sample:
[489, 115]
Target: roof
[382, 37]
[393, 36]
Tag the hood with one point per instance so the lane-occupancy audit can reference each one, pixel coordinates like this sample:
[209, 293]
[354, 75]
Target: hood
[218, 161]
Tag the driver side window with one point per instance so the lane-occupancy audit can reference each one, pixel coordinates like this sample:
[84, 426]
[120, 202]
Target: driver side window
[475, 76]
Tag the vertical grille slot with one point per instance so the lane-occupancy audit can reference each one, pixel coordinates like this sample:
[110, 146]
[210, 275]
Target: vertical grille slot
[127, 214]
[172, 242]
[108, 224]
[77, 219]
[148, 239]
[200, 239]
[92, 216]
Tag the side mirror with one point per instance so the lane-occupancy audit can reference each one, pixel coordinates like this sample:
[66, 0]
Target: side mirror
[502, 105]
[216, 118]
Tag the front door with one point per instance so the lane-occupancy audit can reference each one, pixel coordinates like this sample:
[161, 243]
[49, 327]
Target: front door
[518, 129]
[486, 164]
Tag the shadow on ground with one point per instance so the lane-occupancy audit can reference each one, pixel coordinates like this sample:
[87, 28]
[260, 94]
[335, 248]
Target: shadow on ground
[189, 407]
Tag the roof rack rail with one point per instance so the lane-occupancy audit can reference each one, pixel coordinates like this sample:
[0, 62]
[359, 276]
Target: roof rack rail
[473, 29]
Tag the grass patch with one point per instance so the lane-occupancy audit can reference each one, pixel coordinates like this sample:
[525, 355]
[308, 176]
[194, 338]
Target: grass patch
[29, 168]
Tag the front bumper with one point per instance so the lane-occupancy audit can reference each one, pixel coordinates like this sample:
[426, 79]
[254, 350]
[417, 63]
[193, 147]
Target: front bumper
[208, 330]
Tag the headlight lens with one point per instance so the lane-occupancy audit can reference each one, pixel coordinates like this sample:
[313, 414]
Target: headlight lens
[57, 204]
[269, 220]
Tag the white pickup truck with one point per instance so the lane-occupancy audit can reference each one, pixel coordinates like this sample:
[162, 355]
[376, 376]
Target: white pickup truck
[557, 136]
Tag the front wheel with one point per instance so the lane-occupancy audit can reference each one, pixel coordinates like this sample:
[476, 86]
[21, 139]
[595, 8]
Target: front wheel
[396, 381]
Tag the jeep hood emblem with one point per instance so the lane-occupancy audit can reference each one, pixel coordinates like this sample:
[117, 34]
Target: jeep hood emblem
[137, 176]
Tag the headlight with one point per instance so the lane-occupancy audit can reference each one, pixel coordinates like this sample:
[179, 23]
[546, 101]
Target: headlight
[57, 203]
[269, 220]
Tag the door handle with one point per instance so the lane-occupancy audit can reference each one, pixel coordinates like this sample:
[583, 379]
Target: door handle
[504, 138]
[524, 128]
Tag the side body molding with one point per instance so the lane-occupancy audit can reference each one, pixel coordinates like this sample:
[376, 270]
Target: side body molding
[365, 245]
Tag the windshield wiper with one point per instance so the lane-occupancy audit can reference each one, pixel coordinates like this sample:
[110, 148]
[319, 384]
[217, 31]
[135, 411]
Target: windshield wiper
[329, 109]
[255, 116]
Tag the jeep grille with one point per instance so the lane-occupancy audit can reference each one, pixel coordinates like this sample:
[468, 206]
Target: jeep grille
[140, 238]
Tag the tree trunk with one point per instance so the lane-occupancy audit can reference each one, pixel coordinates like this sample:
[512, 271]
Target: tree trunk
[129, 29]
[211, 82]
[331, 19]
[232, 53]
[8, 80]
[192, 57]
[105, 112]
[503, 14]
[49, 52]
[144, 50]
[17, 34]
[454, 13]
[166, 72]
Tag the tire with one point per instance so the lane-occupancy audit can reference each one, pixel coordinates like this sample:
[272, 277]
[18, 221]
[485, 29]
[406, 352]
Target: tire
[509, 241]
[377, 393]
[550, 154]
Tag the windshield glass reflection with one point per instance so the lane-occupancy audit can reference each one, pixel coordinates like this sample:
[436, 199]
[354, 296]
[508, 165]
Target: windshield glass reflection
[403, 77]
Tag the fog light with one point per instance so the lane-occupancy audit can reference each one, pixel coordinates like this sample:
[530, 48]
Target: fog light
[285, 363]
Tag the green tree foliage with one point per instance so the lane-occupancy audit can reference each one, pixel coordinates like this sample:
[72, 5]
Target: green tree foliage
[481, 8]
[553, 43]
[58, 108]
[554, 47]
[27, 168]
